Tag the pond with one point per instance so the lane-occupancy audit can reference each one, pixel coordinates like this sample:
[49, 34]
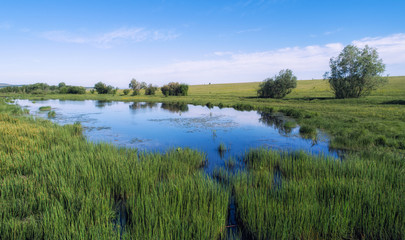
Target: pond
[160, 126]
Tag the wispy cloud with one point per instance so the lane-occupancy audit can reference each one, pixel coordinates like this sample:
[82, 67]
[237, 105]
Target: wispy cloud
[332, 31]
[390, 48]
[5, 25]
[109, 39]
[249, 30]
[306, 62]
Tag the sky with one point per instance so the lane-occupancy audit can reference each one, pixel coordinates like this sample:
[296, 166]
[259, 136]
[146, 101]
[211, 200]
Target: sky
[191, 41]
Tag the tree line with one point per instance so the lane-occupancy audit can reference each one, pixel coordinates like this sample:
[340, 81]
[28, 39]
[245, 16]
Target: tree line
[43, 88]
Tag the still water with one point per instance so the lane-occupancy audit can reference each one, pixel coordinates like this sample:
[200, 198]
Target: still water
[161, 126]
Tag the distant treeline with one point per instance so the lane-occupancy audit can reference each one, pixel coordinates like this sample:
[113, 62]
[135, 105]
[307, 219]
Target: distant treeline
[43, 88]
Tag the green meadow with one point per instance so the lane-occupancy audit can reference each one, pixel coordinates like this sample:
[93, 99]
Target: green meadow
[54, 184]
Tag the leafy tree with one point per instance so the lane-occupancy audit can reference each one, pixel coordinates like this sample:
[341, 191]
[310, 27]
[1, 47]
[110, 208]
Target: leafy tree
[150, 90]
[175, 89]
[135, 86]
[61, 85]
[278, 86]
[355, 72]
[101, 88]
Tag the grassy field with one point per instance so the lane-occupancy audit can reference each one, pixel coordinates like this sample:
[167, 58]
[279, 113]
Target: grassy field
[75, 189]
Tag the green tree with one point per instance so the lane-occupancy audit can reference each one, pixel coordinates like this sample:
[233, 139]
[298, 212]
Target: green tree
[278, 86]
[355, 72]
[61, 85]
[102, 88]
[150, 90]
[175, 89]
[135, 86]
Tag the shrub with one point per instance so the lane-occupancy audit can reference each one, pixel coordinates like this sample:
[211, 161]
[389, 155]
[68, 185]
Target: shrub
[72, 90]
[175, 89]
[126, 91]
[150, 90]
[279, 86]
[101, 88]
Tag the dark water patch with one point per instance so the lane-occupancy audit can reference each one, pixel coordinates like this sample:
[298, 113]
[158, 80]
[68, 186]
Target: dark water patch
[122, 216]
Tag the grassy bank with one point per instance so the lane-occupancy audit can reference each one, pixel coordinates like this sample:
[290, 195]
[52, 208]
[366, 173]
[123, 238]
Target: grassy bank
[56, 185]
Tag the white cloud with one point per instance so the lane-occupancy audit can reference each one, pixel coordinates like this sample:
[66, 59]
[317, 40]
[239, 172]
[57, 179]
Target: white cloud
[391, 48]
[306, 62]
[109, 39]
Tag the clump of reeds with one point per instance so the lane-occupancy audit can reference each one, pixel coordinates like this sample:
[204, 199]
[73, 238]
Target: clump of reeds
[51, 114]
[321, 198]
[45, 108]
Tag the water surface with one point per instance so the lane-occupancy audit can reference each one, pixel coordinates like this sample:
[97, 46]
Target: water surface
[160, 126]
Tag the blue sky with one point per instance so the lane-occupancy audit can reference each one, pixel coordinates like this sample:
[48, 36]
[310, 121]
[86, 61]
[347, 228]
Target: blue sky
[194, 42]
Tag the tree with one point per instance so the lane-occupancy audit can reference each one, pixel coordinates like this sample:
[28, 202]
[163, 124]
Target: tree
[150, 90]
[136, 86]
[355, 72]
[101, 88]
[174, 89]
[61, 85]
[278, 86]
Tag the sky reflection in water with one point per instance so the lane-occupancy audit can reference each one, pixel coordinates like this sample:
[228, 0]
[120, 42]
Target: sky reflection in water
[160, 126]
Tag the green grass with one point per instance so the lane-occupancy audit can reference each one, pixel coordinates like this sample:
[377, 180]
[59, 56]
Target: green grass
[56, 185]
[361, 197]
[45, 108]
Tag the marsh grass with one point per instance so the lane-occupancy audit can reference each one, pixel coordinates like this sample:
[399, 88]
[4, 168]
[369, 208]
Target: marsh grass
[45, 108]
[361, 197]
[56, 185]
[51, 114]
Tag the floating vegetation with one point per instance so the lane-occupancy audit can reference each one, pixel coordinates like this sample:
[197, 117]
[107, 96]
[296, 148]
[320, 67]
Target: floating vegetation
[51, 114]
[45, 108]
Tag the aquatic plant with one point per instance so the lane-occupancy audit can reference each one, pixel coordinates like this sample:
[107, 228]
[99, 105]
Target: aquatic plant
[45, 108]
[51, 114]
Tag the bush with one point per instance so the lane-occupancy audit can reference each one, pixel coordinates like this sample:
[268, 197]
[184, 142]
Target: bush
[279, 86]
[150, 90]
[355, 72]
[175, 89]
[72, 90]
[101, 88]
[126, 91]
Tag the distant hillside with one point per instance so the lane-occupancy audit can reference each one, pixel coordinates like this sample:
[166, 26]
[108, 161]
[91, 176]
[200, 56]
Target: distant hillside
[2, 85]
